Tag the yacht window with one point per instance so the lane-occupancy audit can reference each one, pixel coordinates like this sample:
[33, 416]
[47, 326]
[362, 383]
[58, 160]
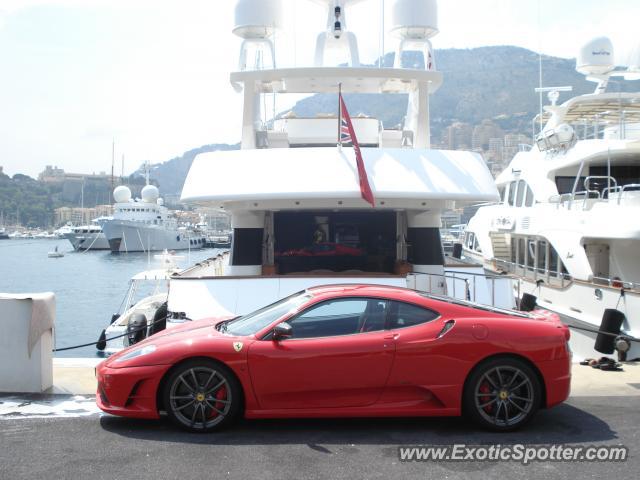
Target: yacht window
[470, 240]
[529, 199]
[541, 256]
[531, 253]
[520, 195]
[501, 192]
[512, 193]
[521, 247]
[553, 261]
[476, 245]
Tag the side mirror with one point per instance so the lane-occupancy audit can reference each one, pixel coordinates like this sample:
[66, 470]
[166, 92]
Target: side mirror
[283, 330]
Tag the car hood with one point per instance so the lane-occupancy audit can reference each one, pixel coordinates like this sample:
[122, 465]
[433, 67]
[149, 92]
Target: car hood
[179, 334]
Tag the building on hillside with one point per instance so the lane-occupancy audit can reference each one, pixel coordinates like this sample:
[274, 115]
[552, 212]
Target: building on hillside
[458, 136]
[484, 132]
[80, 216]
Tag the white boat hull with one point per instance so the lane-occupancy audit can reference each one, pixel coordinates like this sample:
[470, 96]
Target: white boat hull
[127, 236]
[580, 306]
[88, 241]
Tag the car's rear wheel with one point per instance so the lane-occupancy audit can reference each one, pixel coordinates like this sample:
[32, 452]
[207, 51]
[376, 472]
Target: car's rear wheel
[202, 396]
[502, 394]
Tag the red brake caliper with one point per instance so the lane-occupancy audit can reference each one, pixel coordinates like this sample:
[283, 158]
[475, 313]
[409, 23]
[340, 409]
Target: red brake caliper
[485, 388]
[220, 395]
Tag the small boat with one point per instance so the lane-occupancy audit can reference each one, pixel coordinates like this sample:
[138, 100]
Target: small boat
[55, 253]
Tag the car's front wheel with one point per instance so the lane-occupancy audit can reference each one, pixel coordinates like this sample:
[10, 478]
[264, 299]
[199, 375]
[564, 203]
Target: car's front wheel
[202, 395]
[502, 394]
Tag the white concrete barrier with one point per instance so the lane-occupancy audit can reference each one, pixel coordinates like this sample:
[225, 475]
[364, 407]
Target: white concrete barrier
[26, 342]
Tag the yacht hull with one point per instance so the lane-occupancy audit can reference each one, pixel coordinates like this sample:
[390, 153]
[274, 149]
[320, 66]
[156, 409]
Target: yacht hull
[88, 241]
[124, 236]
[581, 305]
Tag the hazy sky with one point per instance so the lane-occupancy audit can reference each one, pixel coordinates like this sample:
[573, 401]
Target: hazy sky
[154, 74]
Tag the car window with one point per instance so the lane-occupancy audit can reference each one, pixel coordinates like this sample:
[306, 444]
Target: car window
[340, 317]
[403, 315]
[255, 321]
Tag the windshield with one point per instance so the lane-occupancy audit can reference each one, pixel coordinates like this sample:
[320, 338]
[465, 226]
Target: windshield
[256, 321]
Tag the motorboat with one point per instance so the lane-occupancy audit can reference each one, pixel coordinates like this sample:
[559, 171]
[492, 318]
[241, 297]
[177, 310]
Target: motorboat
[566, 224]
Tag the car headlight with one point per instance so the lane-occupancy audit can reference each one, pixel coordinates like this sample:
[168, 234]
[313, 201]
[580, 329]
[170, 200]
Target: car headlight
[136, 353]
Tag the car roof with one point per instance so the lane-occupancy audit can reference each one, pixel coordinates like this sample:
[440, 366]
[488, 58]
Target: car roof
[363, 289]
[407, 294]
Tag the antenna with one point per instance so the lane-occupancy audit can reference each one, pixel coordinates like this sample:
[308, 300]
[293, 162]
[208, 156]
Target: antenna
[113, 153]
[122, 170]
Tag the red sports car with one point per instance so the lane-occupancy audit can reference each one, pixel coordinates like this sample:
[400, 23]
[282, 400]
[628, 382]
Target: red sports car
[345, 351]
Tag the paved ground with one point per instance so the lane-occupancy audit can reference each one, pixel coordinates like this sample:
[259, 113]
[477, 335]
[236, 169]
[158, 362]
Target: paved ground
[114, 448]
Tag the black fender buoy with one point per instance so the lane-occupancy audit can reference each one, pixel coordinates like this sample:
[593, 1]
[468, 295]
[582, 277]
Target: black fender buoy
[527, 302]
[159, 322]
[611, 323]
[457, 250]
[102, 341]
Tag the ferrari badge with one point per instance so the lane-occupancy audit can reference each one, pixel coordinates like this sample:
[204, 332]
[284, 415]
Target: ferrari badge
[237, 346]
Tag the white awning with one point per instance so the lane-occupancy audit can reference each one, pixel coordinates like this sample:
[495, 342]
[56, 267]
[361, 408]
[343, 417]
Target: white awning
[308, 174]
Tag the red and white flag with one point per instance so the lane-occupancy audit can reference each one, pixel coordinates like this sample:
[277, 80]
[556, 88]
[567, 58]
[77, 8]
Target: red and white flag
[346, 134]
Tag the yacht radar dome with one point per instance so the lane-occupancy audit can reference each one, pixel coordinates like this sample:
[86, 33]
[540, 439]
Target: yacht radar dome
[122, 194]
[416, 19]
[415, 22]
[596, 57]
[150, 194]
[256, 21]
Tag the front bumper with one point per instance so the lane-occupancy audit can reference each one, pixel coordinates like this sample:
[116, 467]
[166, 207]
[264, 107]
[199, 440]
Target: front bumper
[129, 391]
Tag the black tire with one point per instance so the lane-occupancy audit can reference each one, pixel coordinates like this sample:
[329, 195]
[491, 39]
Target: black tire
[202, 395]
[513, 394]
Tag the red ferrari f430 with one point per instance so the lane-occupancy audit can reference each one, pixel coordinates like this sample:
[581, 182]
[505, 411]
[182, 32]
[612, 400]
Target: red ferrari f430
[345, 351]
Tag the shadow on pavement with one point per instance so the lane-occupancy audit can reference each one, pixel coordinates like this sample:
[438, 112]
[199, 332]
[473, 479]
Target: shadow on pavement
[563, 424]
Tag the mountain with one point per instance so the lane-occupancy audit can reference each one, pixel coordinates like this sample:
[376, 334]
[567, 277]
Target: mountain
[487, 82]
[170, 175]
[481, 83]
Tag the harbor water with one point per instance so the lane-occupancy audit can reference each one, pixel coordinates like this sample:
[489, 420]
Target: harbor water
[89, 286]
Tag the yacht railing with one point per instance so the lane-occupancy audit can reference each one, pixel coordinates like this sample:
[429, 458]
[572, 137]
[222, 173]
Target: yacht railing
[550, 277]
[616, 283]
[462, 286]
[560, 279]
[582, 198]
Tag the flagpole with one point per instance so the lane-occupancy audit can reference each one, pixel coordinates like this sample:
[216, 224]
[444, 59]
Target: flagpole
[339, 117]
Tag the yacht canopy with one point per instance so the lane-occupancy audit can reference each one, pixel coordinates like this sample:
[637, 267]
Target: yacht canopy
[326, 173]
[605, 108]
[326, 80]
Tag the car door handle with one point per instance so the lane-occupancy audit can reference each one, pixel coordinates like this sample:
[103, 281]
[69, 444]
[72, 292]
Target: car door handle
[391, 336]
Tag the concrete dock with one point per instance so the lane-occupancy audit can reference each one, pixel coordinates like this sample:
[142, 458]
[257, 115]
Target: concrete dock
[63, 435]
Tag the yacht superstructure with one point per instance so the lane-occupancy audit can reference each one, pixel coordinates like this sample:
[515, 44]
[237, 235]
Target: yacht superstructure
[297, 209]
[567, 223]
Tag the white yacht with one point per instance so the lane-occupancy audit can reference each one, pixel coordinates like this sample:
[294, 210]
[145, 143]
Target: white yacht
[299, 213]
[567, 224]
[145, 224]
[88, 237]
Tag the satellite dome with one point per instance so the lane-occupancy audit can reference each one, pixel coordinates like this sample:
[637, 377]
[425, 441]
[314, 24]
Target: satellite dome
[257, 18]
[596, 57]
[150, 194]
[122, 194]
[415, 19]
